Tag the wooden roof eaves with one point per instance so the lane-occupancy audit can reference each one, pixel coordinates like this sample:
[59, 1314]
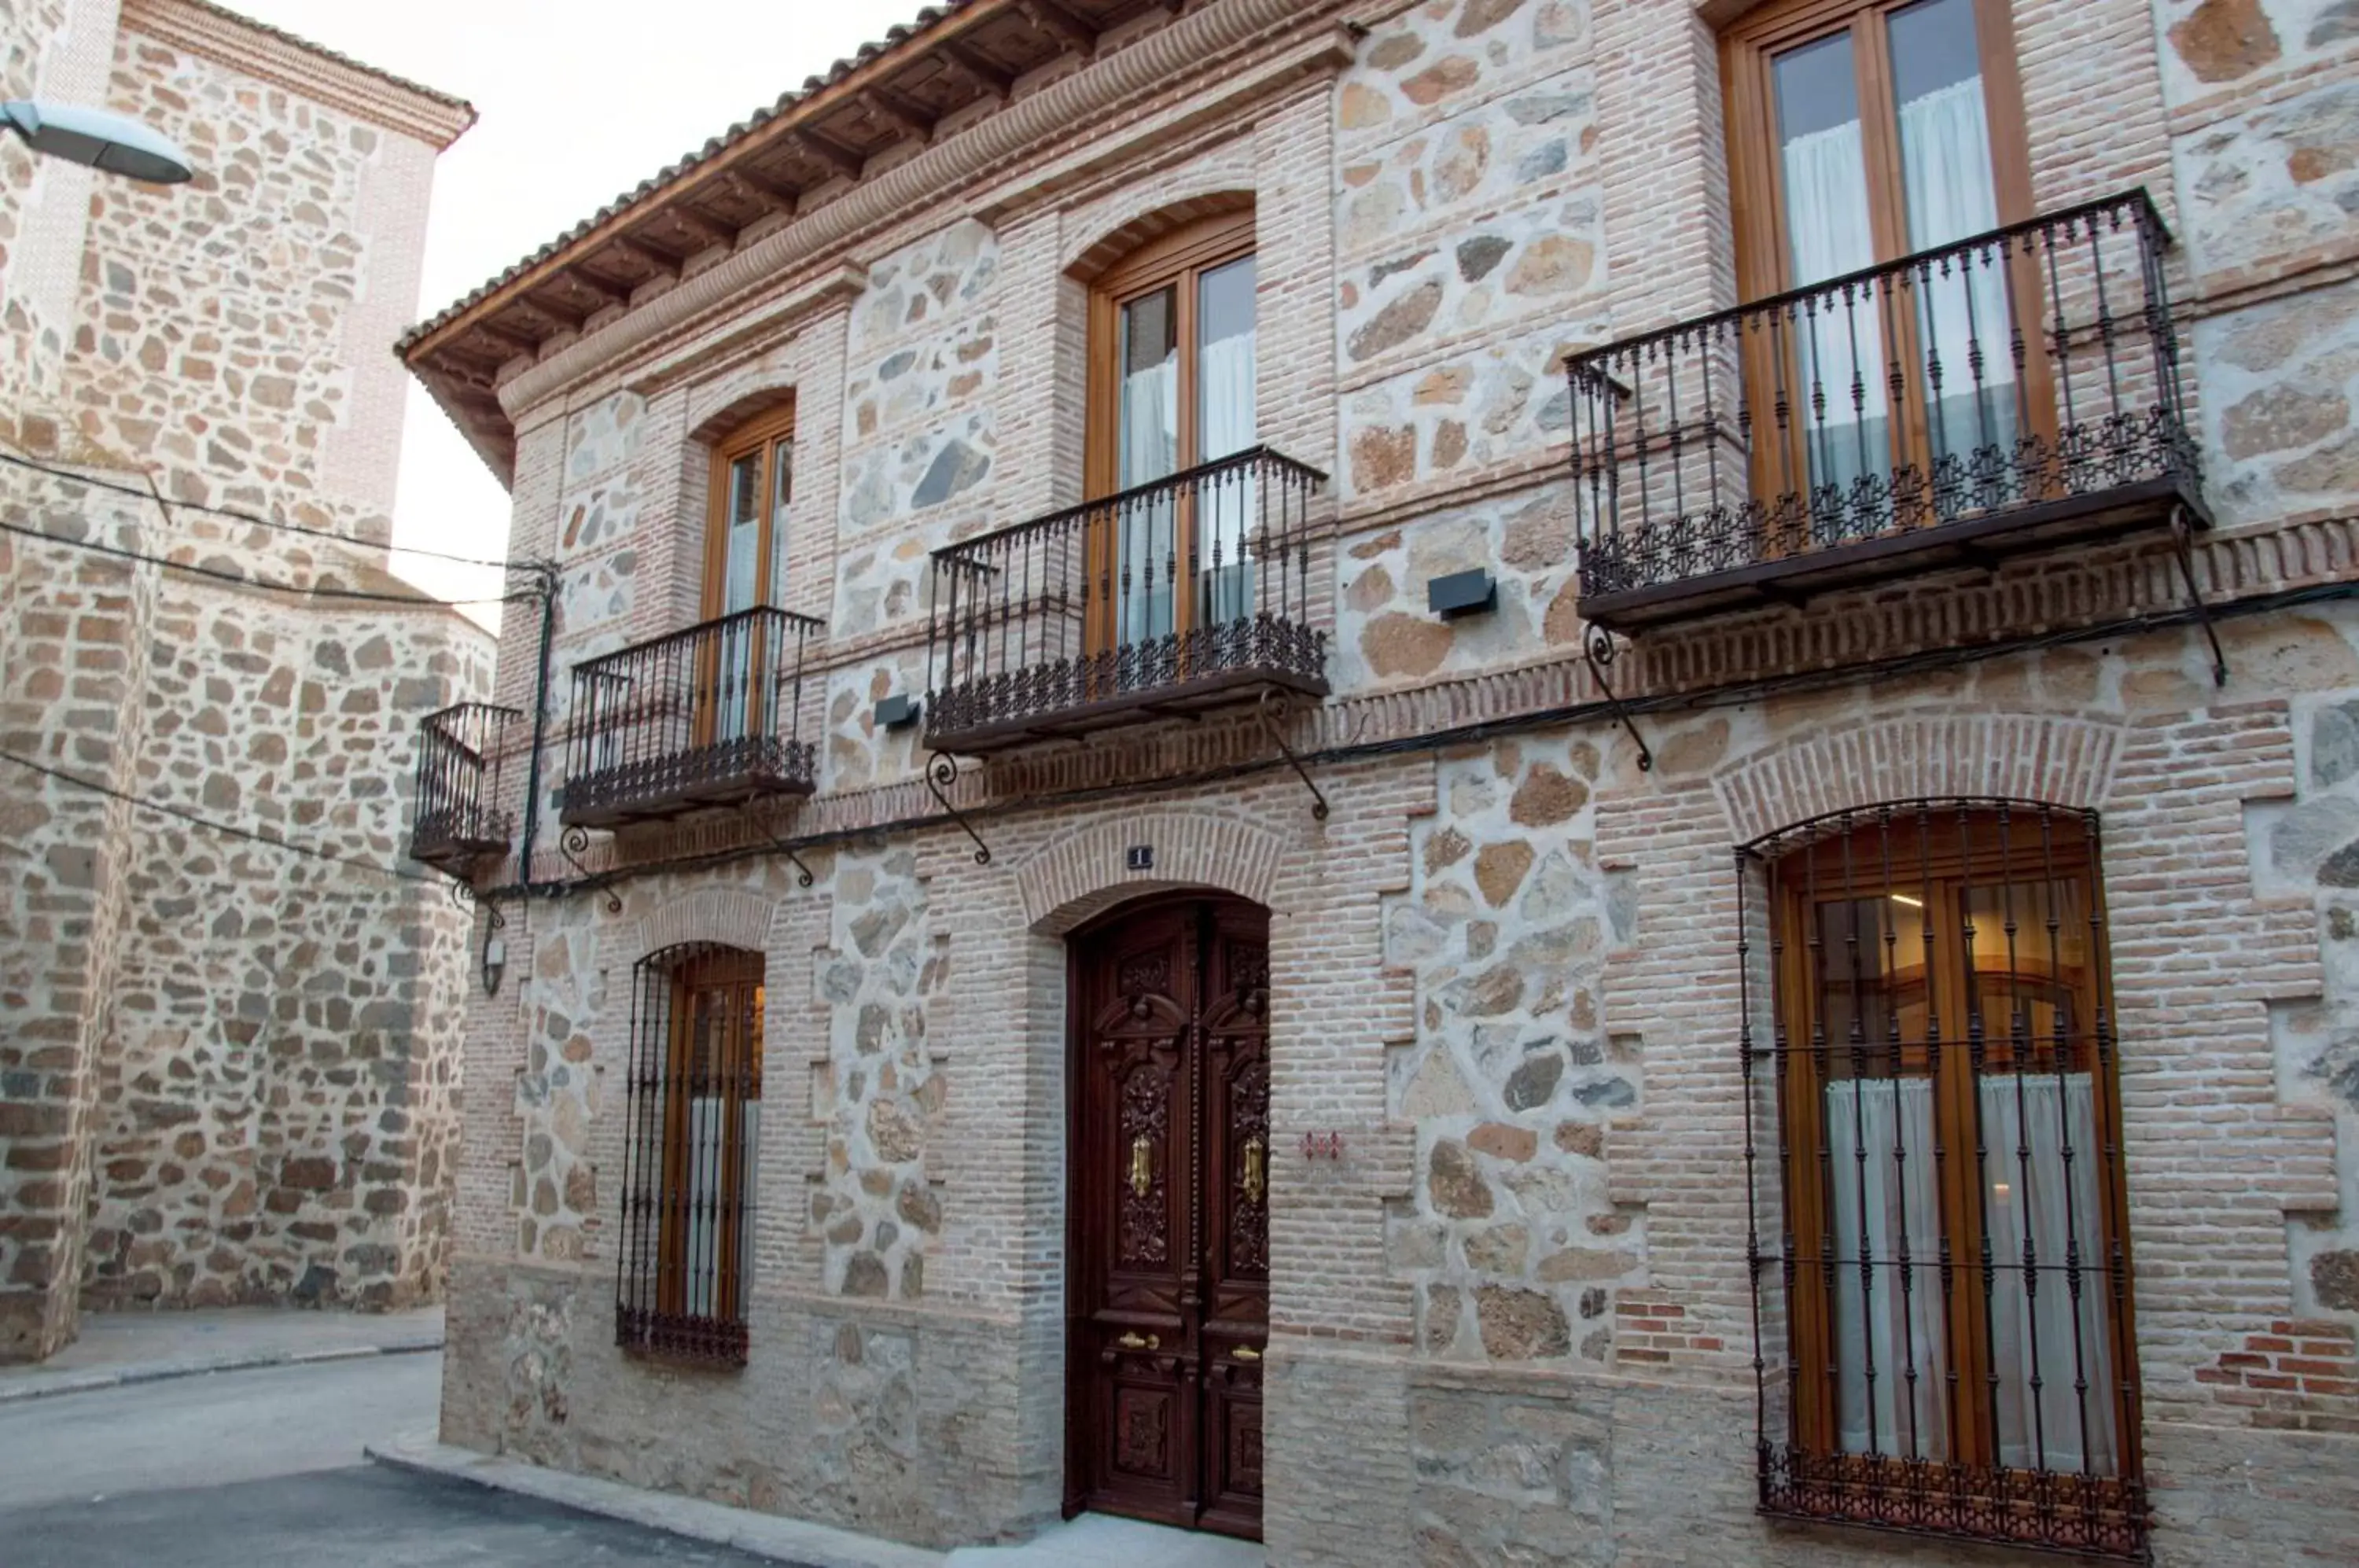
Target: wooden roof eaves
[801, 115]
[694, 305]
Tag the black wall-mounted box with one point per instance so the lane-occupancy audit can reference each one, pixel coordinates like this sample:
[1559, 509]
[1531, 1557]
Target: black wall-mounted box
[1461, 594]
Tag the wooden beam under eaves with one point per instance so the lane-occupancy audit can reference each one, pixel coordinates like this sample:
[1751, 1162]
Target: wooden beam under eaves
[582, 278]
[841, 160]
[899, 112]
[979, 69]
[703, 227]
[1067, 28]
[762, 192]
[662, 263]
[509, 338]
[564, 318]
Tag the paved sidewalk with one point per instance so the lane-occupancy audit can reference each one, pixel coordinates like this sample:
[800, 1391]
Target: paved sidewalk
[1090, 1541]
[117, 1348]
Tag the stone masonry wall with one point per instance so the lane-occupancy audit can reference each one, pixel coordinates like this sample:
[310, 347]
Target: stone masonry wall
[1504, 966]
[231, 1072]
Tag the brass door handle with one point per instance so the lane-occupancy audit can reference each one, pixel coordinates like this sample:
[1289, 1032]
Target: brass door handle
[1132, 1342]
[1257, 1180]
[1244, 1352]
[1142, 1164]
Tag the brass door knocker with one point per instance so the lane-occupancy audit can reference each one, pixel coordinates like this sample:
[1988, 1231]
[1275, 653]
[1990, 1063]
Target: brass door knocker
[1142, 1164]
[1257, 1168]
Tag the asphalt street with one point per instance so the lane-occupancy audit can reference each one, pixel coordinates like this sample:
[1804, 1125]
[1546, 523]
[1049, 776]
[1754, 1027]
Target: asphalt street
[257, 1469]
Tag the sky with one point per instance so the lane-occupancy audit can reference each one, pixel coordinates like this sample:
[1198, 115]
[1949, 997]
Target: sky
[579, 100]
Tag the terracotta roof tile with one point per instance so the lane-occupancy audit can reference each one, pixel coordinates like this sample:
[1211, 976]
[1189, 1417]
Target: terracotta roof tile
[894, 37]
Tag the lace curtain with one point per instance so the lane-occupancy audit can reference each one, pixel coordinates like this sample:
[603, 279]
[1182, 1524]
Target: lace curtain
[1883, 1202]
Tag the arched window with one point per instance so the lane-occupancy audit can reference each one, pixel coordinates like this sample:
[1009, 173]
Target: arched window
[1172, 388]
[694, 1112]
[1952, 1263]
[753, 491]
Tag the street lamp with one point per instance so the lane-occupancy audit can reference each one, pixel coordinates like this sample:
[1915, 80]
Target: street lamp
[99, 137]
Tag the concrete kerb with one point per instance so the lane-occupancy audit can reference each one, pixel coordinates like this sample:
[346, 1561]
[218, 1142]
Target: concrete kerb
[787, 1540]
[36, 1387]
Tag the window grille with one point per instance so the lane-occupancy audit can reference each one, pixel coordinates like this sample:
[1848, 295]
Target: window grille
[694, 1116]
[1937, 1230]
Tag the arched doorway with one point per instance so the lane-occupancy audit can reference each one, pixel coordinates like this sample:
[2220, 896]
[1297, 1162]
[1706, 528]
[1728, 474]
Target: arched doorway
[1167, 1295]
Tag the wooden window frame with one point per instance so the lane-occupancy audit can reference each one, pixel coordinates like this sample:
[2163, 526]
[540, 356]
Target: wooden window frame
[1756, 195]
[1845, 868]
[658, 1279]
[757, 437]
[1176, 261]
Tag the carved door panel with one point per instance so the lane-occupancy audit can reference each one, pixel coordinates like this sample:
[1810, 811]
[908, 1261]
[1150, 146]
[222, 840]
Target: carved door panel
[1234, 1035]
[1171, 1169]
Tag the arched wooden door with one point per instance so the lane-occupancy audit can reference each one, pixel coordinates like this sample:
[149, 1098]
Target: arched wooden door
[1168, 1297]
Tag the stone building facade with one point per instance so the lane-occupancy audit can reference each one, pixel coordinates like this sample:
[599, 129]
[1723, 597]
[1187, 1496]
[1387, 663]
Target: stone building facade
[1540, 1021]
[228, 1073]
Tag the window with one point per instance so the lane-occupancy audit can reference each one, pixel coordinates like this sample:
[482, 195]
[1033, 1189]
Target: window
[1950, 1266]
[744, 568]
[1862, 132]
[694, 1114]
[753, 488]
[1172, 389]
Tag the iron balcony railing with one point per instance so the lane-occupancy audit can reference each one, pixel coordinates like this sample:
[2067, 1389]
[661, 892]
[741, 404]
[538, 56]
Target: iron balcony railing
[2017, 389]
[709, 716]
[458, 815]
[1168, 597]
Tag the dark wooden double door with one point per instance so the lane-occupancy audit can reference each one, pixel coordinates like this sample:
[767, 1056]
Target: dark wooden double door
[1171, 1167]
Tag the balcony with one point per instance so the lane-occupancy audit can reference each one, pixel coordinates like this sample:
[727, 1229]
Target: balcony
[2018, 390]
[1171, 598]
[458, 817]
[707, 717]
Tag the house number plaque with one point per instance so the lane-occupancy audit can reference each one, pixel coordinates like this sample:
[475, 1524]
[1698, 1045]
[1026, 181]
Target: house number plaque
[1139, 857]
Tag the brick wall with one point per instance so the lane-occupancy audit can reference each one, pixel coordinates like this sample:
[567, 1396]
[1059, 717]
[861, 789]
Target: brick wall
[1514, 1320]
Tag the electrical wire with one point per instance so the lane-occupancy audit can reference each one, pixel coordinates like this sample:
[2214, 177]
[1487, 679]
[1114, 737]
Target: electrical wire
[356, 595]
[212, 825]
[233, 515]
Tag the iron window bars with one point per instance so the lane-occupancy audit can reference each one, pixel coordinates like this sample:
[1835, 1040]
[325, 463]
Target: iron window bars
[2022, 385]
[457, 813]
[708, 716]
[1936, 1223]
[1166, 596]
[685, 1263]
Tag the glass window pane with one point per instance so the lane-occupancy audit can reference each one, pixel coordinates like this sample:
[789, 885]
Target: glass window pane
[1149, 434]
[1873, 994]
[1147, 448]
[1838, 341]
[1225, 369]
[782, 495]
[1228, 505]
[741, 580]
[1822, 160]
[2031, 980]
[1950, 193]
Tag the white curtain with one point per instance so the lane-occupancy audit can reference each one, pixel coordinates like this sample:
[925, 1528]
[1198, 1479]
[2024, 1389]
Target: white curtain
[2063, 1428]
[1841, 341]
[708, 1163]
[1150, 451]
[1946, 170]
[1875, 1204]
[1227, 511]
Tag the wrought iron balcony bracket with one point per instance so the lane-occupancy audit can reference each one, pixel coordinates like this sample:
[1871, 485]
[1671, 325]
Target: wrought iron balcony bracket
[1598, 647]
[942, 778]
